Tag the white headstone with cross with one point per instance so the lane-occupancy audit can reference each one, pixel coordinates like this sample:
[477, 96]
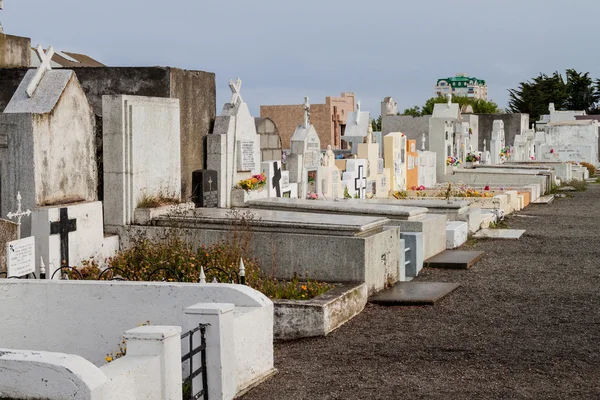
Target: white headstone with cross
[45, 59]
[18, 214]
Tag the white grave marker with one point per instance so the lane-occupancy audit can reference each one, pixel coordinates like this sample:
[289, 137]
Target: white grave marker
[18, 214]
[45, 59]
[20, 257]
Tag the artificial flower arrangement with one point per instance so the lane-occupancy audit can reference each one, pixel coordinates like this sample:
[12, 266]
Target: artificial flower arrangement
[312, 196]
[470, 131]
[505, 153]
[255, 182]
[472, 158]
[453, 161]
[417, 188]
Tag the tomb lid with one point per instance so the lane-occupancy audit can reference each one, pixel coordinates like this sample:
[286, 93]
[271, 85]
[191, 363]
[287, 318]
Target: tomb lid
[349, 207]
[422, 203]
[277, 221]
[46, 96]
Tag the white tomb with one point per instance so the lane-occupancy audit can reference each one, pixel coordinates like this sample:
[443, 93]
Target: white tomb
[47, 142]
[395, 152]
[357, 128]
[234, 148]
[568, 141]
[498, 143]
[142, 157]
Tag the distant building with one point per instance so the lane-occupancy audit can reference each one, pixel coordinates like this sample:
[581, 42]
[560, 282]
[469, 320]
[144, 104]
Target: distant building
[329, 119]
[462, 85]
[63, 59]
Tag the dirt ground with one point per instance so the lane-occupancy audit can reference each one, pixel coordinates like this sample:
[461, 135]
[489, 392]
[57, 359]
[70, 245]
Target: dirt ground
[524, 325]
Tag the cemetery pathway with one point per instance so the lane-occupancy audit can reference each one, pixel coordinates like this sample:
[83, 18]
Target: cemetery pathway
[524, 324]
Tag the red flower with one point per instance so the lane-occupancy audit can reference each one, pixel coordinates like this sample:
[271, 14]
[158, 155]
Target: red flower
[486, 187]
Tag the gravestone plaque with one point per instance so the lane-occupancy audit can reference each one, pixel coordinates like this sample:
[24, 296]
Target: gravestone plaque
[285, 179]
[205, 190]
[245, 160]
[20, 257]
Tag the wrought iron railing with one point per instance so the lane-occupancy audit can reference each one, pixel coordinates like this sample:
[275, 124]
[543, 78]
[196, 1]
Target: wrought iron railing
[195, 382]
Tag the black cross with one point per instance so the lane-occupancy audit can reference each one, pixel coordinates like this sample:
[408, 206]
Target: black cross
[277, 178]
[360, 177]
[62, 227]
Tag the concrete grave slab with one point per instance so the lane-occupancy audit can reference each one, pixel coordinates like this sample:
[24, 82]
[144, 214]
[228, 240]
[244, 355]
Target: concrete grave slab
[455, 259]
[414, 294]
[500, 233]
[544, 199]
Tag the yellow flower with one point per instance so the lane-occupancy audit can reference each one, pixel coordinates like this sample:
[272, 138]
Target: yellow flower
[304, 287]
[108, 359]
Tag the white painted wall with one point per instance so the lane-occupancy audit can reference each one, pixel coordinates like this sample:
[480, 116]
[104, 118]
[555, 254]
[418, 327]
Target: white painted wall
[151, 370]
[88, 318]
[141, 151]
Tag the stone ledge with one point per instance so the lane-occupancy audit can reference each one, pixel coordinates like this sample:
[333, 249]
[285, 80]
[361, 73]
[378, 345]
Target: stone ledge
[295, 319]
[143, 216]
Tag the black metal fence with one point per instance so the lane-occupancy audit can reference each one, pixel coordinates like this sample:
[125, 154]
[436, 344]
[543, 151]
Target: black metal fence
[195, 382]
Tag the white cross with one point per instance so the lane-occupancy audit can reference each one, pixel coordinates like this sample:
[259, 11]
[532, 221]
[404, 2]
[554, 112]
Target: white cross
[18, 215]
[306, 112]
[45, 59]
[449, 99]
[235, 87]
[357, 112]
[423, 143]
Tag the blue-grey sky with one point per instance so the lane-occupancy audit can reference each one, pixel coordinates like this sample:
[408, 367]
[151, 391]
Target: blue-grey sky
[286, 50]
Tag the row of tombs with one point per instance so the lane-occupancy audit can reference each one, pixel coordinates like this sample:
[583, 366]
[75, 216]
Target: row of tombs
[79, 171]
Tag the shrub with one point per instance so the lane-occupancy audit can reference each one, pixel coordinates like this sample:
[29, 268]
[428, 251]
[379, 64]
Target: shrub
[591, 169]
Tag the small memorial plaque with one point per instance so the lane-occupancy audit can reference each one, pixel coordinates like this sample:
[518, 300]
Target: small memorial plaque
[245, 152]
[285, 179]
[20, 257]
[205, 188]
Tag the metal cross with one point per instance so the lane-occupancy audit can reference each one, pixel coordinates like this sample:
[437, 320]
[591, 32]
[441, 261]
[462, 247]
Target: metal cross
[18, 215]
[210, 181]
[45, 59]
[235, 87]
[306, 112]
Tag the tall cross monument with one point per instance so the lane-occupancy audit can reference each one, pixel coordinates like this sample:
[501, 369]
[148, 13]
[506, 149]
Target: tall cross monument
[306, 112]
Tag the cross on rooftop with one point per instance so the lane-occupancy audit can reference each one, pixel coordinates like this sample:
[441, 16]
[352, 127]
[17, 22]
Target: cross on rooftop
[449, 99]
[423, 140]
[357, 118]
[19, 213]
[306, 112]
[45, 59]
[236, 88]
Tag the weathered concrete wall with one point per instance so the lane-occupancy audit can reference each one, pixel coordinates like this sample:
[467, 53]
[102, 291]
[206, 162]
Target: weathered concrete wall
[270, 141]
[66, 168]
[514, 124]
[412, 127]
[15, 51]
[8, 233]
[196, 91]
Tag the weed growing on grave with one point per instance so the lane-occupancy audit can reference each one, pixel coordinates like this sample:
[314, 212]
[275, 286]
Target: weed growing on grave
[579, 186]
[157, 200]
[498, 225]
[171, 259]
[122, 352]
[597, 180]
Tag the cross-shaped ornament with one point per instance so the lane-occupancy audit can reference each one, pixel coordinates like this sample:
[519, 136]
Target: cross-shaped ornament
[236, 88]
[306, 112]
[18, 215]
[357, 112]
[210, 181]
[360, 182]
[62, 227]
[45, 59]
[277, 178]
[423, 142]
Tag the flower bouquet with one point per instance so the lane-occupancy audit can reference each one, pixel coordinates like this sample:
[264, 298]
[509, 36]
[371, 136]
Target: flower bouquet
[505, 153]
[256, 182]
[455, 162]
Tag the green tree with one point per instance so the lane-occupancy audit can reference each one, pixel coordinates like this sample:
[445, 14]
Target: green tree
[580, 91]
[479, 106]
[376, 124]
[414, 111]
[532, 97]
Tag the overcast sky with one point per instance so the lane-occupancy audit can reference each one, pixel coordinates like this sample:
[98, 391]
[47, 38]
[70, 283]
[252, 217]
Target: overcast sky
[286, 50]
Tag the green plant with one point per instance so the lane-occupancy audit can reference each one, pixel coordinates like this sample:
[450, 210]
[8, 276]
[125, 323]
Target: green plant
[157, 200]
[597, 180]
[347, 193]
[402, 194]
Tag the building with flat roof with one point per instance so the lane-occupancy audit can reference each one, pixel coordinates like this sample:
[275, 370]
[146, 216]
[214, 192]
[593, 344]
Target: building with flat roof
[462, 85]
[329, 119]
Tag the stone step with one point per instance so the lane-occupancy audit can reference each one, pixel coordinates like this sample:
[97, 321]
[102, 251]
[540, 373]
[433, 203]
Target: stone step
[544, 199]
[454, 259]
[414, 294]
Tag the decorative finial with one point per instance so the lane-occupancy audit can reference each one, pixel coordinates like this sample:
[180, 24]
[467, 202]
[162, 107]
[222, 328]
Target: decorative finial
[202, 277]
[236, 87]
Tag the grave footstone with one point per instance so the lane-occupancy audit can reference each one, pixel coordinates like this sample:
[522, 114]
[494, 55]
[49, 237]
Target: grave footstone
[205, 192]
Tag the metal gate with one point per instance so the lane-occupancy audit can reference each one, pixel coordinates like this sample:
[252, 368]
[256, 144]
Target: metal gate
[195, 382]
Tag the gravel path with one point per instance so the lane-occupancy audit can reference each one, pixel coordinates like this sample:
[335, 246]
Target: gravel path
[524, 325]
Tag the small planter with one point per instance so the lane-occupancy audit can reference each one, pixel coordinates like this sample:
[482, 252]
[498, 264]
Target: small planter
[468, 164]
[295, 319]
